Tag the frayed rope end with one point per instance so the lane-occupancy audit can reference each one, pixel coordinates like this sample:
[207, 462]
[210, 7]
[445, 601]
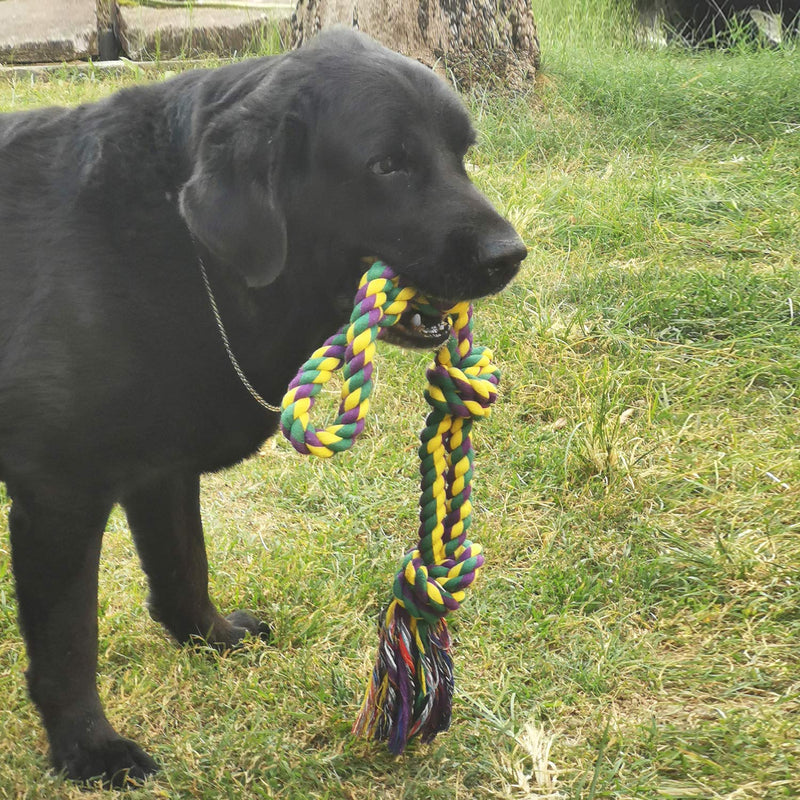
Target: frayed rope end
[411, 689]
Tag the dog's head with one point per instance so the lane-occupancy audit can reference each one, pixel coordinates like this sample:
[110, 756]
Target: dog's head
[345, 152]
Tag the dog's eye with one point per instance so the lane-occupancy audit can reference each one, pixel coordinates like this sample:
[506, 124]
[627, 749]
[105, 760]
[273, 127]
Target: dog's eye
[386, 165]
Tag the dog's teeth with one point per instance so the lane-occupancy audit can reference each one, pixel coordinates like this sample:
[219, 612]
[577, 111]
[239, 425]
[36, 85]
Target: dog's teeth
[416, 320]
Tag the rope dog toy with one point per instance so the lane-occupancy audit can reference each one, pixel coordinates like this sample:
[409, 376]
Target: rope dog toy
[411, 688]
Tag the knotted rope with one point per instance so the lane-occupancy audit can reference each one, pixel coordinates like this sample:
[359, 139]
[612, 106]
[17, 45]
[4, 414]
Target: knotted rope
[411, 688]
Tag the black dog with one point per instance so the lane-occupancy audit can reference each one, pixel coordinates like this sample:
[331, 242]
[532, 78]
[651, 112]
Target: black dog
[282, 174]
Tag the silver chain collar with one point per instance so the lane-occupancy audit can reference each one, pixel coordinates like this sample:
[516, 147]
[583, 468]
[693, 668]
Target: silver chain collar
[223, 333]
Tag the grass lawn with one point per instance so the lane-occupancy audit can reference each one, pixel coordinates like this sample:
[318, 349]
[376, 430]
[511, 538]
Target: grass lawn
[636, 632]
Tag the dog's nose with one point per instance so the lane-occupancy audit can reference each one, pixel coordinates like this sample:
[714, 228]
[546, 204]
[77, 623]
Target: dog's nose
[501, 258]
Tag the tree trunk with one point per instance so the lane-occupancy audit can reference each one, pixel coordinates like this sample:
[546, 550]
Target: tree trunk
[473, 41]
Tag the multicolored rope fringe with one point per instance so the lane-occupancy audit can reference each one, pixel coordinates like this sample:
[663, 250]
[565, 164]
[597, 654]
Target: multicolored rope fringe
[411, 688]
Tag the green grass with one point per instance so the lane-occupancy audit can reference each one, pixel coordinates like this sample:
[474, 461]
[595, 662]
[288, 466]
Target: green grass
[634, 634]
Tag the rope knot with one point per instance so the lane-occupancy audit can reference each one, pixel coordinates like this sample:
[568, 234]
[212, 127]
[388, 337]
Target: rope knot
[466, 388]
[430, 592]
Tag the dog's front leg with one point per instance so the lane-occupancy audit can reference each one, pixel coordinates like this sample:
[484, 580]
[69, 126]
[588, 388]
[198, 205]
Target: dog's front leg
[164, 517]
[55, 547]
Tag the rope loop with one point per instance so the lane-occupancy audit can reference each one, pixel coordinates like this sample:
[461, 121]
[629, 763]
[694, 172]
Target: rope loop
[379, 302]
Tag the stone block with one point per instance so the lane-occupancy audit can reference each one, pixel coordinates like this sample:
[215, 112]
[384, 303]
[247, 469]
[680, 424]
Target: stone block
[147, 32]
[34, 31]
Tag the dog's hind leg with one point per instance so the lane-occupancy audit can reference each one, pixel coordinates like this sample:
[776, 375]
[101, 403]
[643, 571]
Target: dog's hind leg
[55, 550]
[164, 517]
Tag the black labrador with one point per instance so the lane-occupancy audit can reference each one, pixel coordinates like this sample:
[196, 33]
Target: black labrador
[282, 175]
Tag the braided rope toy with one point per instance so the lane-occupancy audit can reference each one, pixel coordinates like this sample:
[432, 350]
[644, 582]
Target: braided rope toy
[411, 688]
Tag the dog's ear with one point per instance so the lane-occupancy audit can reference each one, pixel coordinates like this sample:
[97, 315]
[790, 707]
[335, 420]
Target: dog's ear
[231, 201]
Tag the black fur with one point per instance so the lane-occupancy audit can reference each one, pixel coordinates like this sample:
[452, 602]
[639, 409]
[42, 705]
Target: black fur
[282, 174]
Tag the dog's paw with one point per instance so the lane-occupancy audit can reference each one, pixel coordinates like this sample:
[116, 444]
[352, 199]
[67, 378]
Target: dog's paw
[114, 762]
[245, 623]
[229, 633]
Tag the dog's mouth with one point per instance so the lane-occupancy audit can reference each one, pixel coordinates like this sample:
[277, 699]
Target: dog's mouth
[421, 329]
[423, 326]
